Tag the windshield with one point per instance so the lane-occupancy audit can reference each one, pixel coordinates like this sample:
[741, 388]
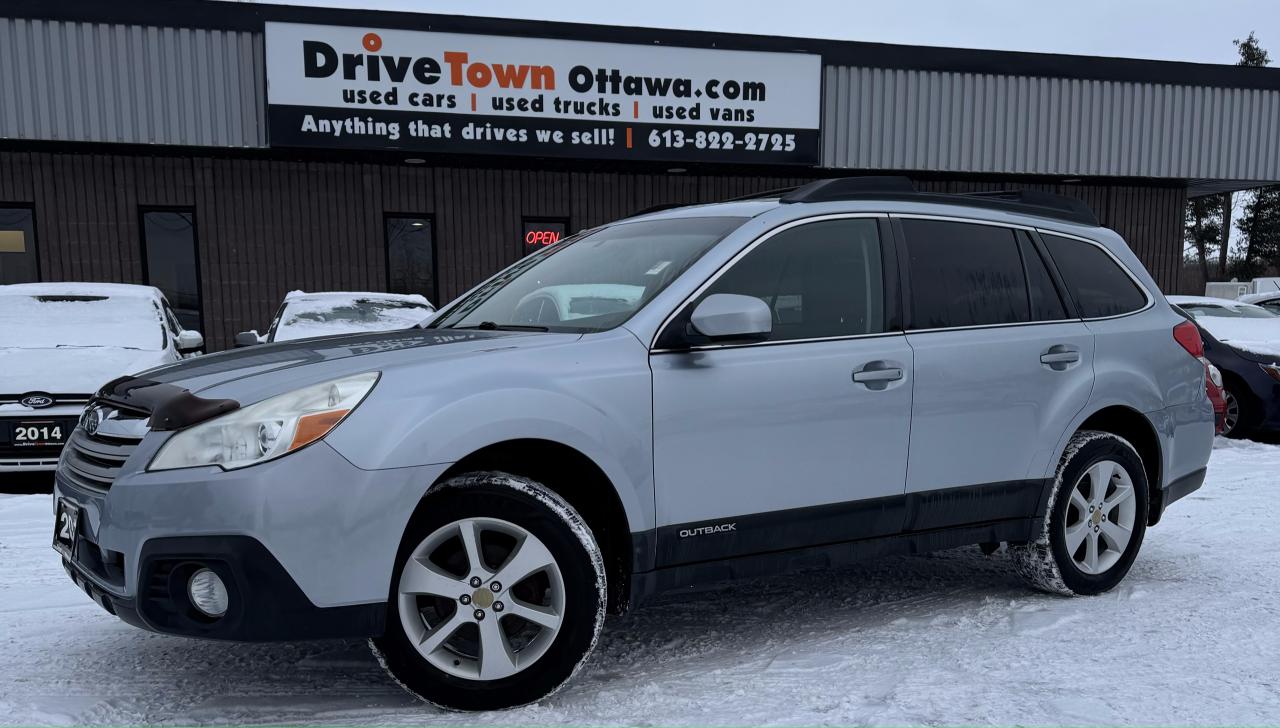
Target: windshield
[51, 321]
[593, 282]
[303, 318]
[1234, 311]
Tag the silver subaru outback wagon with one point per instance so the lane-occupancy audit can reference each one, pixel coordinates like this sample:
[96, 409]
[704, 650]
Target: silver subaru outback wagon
[828, 373]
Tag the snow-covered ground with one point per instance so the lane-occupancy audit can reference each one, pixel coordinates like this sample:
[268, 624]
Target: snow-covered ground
[1192, 636]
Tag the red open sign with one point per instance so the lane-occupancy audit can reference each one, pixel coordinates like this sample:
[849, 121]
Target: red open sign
[542, 237]
[540, 233]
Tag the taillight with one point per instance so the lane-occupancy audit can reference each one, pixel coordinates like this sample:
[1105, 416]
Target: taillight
[1188, 337]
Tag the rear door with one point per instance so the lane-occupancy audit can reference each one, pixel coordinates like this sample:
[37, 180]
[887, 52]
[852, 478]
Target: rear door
[1002, 366]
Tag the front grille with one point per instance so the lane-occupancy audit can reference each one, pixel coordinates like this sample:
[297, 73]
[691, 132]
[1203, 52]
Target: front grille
[94, 461]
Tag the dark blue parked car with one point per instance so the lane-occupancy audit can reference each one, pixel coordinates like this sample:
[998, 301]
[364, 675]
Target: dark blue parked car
[1251, 380]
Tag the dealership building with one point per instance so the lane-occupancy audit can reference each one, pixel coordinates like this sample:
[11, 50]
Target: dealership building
[231, 152]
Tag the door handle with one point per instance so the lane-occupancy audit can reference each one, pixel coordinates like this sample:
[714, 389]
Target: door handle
[1060, 357]
[877, 375]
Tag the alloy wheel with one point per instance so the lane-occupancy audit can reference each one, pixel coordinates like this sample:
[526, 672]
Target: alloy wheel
[1232, 417]
[1100, 517]
[481, 598]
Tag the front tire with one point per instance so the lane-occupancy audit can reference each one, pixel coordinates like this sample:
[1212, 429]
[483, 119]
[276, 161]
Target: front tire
[1096, 519]
[498, 595]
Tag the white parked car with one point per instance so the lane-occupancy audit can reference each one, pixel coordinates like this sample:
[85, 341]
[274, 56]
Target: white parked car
[1269, 300]
[59, 343]
[304, 315]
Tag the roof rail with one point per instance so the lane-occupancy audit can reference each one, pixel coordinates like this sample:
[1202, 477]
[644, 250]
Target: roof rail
[1026, 202]
[843, 188]
[1072, 207]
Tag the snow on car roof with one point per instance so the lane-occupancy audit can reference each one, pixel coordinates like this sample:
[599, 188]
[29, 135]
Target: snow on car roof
[355, 296]
[82, 289]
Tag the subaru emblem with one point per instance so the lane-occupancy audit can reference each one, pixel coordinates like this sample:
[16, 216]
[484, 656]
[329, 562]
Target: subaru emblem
[36, 400]
[92, 419]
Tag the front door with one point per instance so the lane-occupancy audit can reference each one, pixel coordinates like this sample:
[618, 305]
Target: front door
[798, 440]
[1001, 371]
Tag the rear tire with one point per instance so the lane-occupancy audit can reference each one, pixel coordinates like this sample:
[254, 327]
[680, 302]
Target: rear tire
[498, 595]
[1095, 522]
[1242, 411]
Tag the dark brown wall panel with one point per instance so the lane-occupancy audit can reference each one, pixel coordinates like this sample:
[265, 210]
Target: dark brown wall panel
[268, 226]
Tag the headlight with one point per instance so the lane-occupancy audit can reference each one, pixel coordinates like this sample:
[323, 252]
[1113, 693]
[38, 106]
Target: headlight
[1272, 370]
[266, 430]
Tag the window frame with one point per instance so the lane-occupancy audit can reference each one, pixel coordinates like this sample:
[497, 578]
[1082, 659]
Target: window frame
[387, 216]
[1150, 299]
[891, 285]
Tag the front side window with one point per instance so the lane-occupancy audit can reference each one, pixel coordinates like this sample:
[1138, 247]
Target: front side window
[589, 283]
[821, 280]
[1099, 286]
[964, 274]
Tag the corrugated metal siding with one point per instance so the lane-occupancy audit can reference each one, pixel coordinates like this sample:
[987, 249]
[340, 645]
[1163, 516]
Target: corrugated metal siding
[136, 84]
[267, 226]
[962, 122]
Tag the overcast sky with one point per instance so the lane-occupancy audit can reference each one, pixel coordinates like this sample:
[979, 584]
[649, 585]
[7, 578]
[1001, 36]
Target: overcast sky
[1183, 30]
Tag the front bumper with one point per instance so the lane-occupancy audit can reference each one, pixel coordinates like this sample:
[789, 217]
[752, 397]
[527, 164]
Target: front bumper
[265, 604]
[34, 460]
[306, 543]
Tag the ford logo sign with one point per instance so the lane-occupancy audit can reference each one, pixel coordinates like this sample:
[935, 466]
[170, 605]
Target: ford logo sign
[35, 401]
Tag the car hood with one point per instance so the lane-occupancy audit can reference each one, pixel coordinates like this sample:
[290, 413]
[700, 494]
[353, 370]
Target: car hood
[418, 345]
[70, 370]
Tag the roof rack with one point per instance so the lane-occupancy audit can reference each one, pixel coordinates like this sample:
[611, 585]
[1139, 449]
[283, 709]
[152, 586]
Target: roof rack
[1026, 202]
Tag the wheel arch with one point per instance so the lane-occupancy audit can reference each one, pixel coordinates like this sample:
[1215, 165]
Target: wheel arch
[573, 476]
[1135, 427]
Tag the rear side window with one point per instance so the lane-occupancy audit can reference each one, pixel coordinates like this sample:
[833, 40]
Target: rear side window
[964, 274]
[821, 280]
[1098, 285]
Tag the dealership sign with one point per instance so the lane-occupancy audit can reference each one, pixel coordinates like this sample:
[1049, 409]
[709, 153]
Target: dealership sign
[365, 88]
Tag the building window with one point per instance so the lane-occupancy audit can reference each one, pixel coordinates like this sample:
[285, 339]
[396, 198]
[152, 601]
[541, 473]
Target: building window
[411, 256]
[18, 262]
[539, 232]
[169, 244]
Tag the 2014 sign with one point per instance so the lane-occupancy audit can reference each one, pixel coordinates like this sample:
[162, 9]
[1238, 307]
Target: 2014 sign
[333, 86]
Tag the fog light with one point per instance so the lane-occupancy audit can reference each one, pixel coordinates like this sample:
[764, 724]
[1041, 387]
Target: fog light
[208, 593]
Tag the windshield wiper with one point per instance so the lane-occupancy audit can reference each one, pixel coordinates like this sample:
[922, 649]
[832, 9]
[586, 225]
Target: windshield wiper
[491, 326]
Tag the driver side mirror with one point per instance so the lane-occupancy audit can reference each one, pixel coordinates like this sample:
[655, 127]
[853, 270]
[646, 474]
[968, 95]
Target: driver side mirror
[248, 338]
[188, 342]
[730, 317]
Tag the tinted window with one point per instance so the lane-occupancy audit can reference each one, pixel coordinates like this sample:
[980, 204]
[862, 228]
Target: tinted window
[821, 280]
[1045, 303]
[170, 240]
[17, 246]
[964, 275]
[411, 258]
[1098, 286]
